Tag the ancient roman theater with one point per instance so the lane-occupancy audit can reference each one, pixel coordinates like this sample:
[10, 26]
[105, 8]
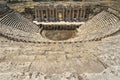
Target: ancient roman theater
[59, 40]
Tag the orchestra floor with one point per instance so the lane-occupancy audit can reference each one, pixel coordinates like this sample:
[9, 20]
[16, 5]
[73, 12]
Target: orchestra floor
[58, 35]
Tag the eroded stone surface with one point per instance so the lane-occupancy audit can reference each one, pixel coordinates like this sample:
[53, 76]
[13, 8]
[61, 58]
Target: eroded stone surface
[97, 60]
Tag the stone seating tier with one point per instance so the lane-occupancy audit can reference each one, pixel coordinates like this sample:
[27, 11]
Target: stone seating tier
[16, 20]
[101, 26]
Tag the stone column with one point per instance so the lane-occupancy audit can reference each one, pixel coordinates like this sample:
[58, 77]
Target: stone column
[36, 12]
[70, 17]
[72, 14]
[53, 14]
[56, 14]
[81, 13]
[77, 13]
[50, 14]
[66, 15]
[84, 12]
[63, 15]
[47, 14]
[41, 12]
[39, 15]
